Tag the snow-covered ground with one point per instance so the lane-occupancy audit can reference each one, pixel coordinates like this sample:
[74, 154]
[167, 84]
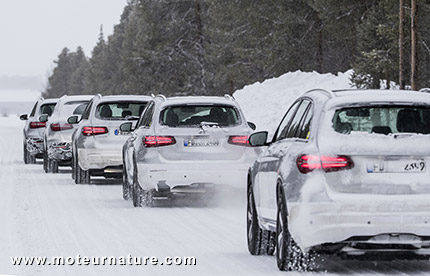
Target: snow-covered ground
[48, 215]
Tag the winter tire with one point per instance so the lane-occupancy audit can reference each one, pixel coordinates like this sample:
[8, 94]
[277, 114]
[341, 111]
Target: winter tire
[289, 256]
[253, 229]
[25, 154]
[137, 190]
[125, 185]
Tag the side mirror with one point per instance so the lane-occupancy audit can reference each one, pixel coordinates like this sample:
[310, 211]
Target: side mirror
[23, 117]
[258, 139]
[252, 125]
[44, 118]
[126, 127]
[73, 119]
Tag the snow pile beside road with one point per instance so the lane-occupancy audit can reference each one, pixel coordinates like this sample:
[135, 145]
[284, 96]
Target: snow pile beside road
[265, 103]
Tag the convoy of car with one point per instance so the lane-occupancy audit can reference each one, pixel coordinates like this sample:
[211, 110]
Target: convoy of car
[345, 172]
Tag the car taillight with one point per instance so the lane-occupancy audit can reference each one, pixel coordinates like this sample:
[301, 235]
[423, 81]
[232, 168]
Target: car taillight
[239, 140]
[37, 124]
[89, 130]
[308, 163]
[158, 141]
[59, 127]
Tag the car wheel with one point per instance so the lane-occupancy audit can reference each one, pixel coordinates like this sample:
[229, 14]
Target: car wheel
[81, 176]
[125, 186]
[253, 229]
[137, 190]
[73, 166]
[148, 198]
[260, 242]
[25, 154]
[31, 158]
[54, 166]
[45, 161]
[289, 256]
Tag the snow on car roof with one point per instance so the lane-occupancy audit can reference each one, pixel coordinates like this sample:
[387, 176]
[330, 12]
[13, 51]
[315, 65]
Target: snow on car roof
[378, 96]
[199, 99]
[125, 97]
[67, 98]
[48, 101]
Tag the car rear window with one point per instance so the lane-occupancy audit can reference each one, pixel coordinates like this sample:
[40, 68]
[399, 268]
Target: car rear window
[47, 108]
[196, 115]
[72, 107]
[120, 110]
[383, 119]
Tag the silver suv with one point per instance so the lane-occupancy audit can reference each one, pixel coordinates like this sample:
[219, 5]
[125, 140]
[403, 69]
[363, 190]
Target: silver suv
[97, 141]
[186, 145]
[58, 132]
[34, 129]
[346, 173]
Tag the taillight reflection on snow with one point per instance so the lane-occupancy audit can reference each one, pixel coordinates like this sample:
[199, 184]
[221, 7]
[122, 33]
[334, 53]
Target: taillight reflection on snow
[89, 130]
[158, 141]
[239, 140]
[60, 127]
[37, 124]
[308, 163]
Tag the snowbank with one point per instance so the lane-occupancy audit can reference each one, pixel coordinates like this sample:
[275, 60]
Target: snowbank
[265, 103]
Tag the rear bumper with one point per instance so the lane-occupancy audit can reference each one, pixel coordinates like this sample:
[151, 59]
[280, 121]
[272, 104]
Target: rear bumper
[60, 151]
[99, 158]
[194, 174]
[314, 224]
[34, 146]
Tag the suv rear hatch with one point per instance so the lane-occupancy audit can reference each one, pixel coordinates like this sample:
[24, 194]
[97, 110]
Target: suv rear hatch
[203, 132]
[388, 147]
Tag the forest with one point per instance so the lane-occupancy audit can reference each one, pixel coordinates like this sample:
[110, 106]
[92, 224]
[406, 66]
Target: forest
[210, 47]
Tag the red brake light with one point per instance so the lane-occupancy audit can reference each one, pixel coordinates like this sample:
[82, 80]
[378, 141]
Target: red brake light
[89, 131]
[37, 124]
[308, 163]
[59, 127]
[239, 140]
[158, 141]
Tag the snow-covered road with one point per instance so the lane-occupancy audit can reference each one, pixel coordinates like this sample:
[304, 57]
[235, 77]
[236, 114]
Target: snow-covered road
[48, 215]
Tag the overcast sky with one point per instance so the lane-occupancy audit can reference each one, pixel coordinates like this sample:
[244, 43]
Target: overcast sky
[33, 32]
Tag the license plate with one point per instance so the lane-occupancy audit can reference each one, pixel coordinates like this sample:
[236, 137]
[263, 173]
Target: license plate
[397, 166]
[201, 143]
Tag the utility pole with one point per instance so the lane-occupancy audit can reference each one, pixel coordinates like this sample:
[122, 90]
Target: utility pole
[401, 44]
[413, 44]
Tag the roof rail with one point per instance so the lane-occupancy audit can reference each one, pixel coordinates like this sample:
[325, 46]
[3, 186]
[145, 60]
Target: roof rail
[152, 95]
[99, 95]
[161, 96]
[330, 93]
[229, 97]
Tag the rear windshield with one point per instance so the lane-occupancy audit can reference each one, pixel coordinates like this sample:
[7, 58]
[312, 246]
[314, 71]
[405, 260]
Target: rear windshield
[120, 110]
[47, 109]
[73, 108]
[383, 119]
[196, 115]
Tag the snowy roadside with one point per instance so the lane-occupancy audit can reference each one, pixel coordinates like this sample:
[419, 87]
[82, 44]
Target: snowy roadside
[265, 103]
